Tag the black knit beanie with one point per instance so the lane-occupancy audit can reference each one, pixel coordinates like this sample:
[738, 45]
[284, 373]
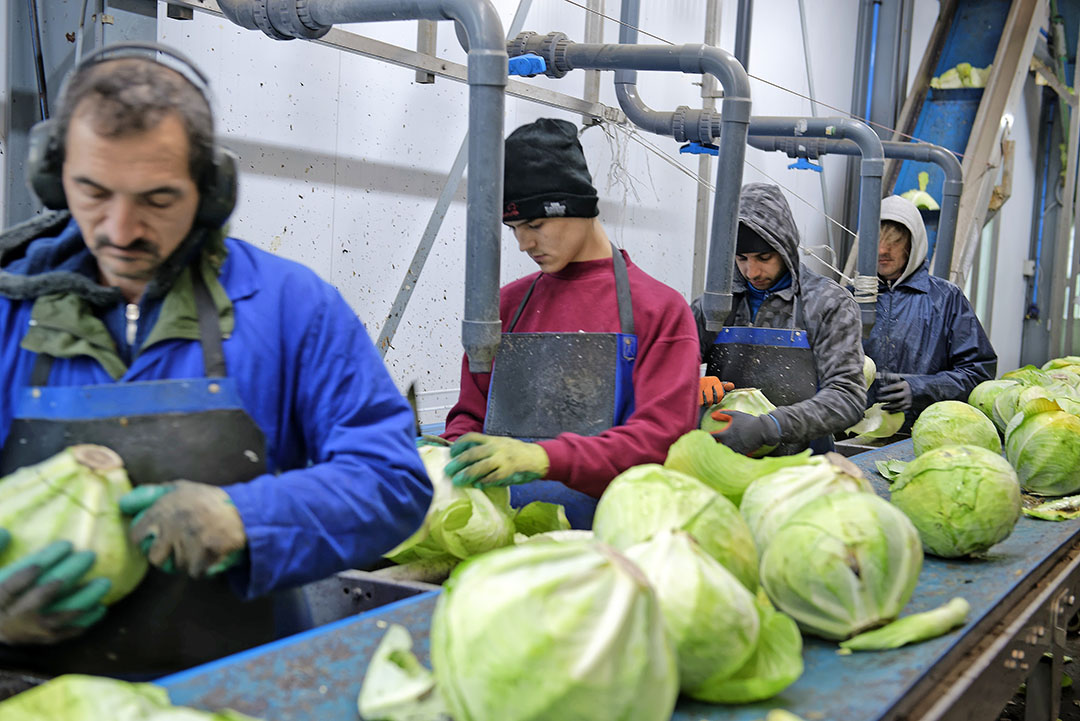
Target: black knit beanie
[749, 241]
[546, 175]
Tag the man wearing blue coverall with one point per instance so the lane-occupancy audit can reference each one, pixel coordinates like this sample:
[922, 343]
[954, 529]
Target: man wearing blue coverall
[927, 342]
[267, 441]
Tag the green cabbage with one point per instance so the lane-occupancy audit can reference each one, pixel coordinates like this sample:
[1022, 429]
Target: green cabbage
[920, 198]
[745, 400]
[775, 665]
[772, 499]
[73, 496]
[962, 499]
[698, 454]
[953, 423]
[869, 370]
[984, 395]
[710, 616]
[1042, 442]
[460, 522]
[645, 500]
[1011, 400]
[1065, 362]
[876, 423]
[552, 632]
[91, 698]
[843, 564]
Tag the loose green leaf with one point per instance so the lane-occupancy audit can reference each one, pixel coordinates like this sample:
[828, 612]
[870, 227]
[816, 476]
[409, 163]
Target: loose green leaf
[396, 686]
[1059, 509]
[890, 470]
[912, 629]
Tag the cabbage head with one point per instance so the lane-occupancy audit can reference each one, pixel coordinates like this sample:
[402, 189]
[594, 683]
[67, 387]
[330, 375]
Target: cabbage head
[983, 395]
[552, 632]
[1064, 362]
[776, 663]
[745, 400]
[1011, 400]
[843, 564]
[953, 423]
[73, 496]
[962, 499]
[645, 500]
[698, 454]
[460, 522]
[710, 616]
[869, 370]
[772, 499]
[75, 697]
[1042, 443]
[1028, 375]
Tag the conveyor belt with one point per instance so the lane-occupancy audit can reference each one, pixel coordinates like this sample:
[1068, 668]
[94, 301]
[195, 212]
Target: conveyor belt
[1013, 593]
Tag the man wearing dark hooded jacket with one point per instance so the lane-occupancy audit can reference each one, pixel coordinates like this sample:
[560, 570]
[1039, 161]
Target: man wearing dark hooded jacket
[772, 290]
[927, 342]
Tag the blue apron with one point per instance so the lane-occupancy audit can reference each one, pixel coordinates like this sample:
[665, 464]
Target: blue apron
[544, 384]
[165, 430]
[779, 361]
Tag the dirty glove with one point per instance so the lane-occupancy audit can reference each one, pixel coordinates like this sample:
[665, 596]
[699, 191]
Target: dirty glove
[426, 440]
[191, 527]
[40, 602]
[713, 389]
[480, 460]
[745, 433]
[894, 392]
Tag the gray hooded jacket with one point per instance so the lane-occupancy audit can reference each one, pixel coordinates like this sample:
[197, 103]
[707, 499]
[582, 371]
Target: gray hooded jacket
[827, 311]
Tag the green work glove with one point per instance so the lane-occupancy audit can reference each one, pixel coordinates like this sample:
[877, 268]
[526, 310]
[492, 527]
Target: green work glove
[426, 440]
[191, 527]
[480, 460]
[40, 599]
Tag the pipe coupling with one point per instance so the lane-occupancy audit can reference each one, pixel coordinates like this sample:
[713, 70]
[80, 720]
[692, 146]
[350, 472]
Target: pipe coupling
[287, 19]
[551, 47]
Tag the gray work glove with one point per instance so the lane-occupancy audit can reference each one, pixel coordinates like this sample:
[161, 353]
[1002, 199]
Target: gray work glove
[40, 602]
[894, 392]
[186, 526]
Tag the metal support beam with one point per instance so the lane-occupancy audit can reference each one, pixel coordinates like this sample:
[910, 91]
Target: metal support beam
[1063, 300]
[426, 38]
[983, 154]
[594, 33]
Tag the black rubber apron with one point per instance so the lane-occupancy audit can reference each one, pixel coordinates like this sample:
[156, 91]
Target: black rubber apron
[779, 361]
[194, 429]
[544, 384]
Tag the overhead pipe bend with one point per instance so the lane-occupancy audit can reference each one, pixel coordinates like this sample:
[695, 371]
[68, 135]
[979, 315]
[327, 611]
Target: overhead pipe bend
[953, 186]
[287, 19]
[562, 55]
[872, 167]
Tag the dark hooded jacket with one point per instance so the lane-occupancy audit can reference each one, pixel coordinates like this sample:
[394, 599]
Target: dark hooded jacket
[926, 330]
[823, 307]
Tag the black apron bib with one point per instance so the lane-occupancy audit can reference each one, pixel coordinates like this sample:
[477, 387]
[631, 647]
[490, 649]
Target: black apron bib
[544, 384]
[165, 430]
[779, 361]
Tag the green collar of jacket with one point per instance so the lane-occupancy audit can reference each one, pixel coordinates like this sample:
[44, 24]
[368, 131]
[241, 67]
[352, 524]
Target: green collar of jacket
[64, 325]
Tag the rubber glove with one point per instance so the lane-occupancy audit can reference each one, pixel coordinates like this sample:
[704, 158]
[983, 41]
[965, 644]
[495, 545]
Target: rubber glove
[480, 460]
[746, 433]
[186, 526]
[40, 602]
[426, 440]
[894, 392]
[713, 390]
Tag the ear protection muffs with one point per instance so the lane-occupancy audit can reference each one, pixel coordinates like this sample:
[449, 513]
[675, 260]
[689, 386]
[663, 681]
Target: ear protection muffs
[45, 159]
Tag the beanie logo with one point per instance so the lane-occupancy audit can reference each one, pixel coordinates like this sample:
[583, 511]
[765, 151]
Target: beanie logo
[554, 208]
[511, 210]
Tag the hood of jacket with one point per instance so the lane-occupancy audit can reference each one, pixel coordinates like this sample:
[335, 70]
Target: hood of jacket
[47, 254]
[764, 208]
[903, 211]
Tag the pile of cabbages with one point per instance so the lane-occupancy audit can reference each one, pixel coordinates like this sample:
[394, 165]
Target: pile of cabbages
[696, 579]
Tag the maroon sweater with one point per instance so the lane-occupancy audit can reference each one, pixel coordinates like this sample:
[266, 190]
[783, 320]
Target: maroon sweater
[581, 297]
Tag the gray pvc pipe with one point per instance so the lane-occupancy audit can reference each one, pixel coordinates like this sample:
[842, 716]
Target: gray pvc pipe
[871, 170]
[480, 329]
[922, 152]
[695, 59]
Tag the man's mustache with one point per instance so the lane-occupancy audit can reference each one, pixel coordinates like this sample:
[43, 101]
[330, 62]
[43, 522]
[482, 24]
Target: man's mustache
[139, 245]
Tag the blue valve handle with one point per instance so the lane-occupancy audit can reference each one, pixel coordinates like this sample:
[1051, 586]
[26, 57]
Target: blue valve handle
[527, 64]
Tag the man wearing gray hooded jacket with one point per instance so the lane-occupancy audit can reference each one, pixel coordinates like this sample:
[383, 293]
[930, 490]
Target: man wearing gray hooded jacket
[791, 332]
[927, 342]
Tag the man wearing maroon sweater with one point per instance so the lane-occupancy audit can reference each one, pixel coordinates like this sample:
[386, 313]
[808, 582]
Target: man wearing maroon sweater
[597, 370]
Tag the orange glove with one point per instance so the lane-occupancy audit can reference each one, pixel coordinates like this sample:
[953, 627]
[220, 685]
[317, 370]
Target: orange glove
[713, 389]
